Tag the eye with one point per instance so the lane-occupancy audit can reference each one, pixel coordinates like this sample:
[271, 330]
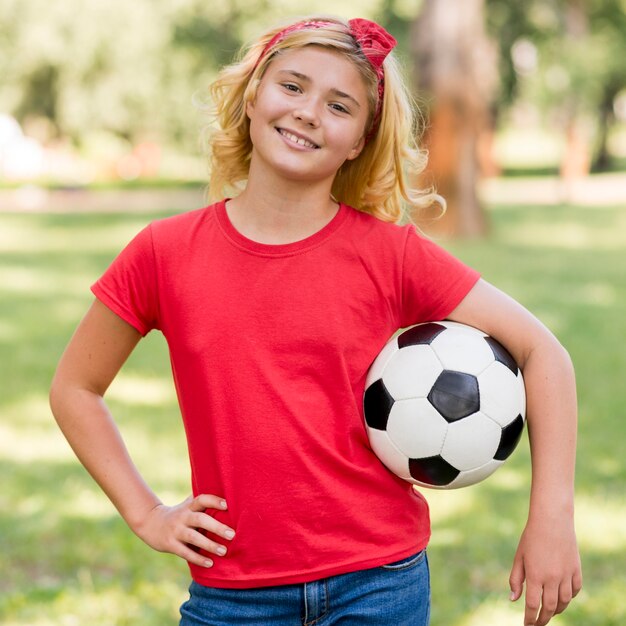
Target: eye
[336, 106]
[291, 87]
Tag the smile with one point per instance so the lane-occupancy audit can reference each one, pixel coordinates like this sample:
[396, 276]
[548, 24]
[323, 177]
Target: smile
[301, 141]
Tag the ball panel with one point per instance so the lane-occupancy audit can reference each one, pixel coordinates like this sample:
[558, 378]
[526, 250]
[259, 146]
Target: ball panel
[380, 362]
[463, 351]
[463, 328]
[377, 404]
[455, 395]
[415, 428]
[390, 456]
[501, 354]
[471, 442]
[411, 372]
[501, 396]
[471, 477]
[522, 392]
[420, 334]
[433, 471]
[511, 435]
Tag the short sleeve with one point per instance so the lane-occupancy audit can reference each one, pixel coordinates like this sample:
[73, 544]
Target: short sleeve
[129, 286]
[433, 281]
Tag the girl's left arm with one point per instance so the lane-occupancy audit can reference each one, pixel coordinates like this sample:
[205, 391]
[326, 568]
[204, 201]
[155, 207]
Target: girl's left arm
[547, 557]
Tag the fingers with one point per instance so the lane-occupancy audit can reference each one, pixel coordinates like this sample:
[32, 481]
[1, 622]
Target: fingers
[197, 521]
[206, 501]
[533, 604]
[516, 579]
[565, 597]
[577, 582]
[549, 604]
[542, 604]
[182, 530]
[568, 591]
[200, 519]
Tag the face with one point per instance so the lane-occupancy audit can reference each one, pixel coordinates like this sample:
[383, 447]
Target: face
[309, 114]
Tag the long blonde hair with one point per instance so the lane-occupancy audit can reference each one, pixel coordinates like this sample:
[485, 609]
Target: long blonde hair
[378, 180]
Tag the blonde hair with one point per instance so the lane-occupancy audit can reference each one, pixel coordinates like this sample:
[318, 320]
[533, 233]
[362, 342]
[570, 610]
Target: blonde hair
[378, 180]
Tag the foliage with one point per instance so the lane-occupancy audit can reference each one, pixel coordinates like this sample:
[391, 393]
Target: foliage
[128, 68]
[67, 558]
[133, 69]
[578, 67]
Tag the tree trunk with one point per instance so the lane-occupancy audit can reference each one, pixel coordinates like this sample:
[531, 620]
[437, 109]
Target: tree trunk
[456, 71]
[576, 161]
[606, 119]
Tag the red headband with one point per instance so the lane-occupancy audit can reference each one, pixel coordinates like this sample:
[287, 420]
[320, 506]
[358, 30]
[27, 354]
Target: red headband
[373, 40]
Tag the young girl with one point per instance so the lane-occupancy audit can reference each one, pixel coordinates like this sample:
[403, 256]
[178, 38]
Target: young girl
[274, 303]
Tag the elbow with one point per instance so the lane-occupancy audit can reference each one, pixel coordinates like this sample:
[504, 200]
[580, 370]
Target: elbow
[55, 396]
[560, 352]
[60, 396]
[549, 353]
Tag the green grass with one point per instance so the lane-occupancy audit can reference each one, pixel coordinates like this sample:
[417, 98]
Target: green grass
[67, 559]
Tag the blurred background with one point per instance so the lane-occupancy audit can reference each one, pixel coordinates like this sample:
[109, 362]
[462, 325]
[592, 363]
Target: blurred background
[101, 113]
[96, 93]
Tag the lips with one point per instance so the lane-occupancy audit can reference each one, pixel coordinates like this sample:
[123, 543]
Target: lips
[297, 139]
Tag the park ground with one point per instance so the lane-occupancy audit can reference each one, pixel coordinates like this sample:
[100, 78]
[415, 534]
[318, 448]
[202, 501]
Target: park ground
[68, 560]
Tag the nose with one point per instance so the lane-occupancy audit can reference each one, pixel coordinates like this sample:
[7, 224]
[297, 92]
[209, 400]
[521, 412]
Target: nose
[308, 113]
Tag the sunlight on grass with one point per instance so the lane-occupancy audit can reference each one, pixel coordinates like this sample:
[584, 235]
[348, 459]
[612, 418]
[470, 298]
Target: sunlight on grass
[449, 504]
[85, 503]
[604, 607]
[570, 236]
[495, 612]
[21, 237]
[8, 331]
[508, 478]
[41, 445]
[32, 409]
[600, 524]
[88, 503]
[88, 602]
[29, 433]
[35, 281]
[599, 294]
[140, 390]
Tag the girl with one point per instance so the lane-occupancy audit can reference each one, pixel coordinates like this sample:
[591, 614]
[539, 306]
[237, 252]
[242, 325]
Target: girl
[274, 303]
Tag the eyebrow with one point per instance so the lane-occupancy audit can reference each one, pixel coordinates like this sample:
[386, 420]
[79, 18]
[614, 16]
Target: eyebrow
[334, 90]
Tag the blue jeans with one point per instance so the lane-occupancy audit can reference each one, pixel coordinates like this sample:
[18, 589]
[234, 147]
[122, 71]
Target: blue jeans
[398, 594]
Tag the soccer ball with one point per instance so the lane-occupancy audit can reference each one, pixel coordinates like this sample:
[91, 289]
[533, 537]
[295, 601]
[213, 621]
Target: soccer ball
[444, 405]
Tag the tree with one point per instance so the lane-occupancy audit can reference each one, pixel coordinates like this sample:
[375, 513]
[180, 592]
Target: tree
[577, 70]
[129, 69]
[456, 65]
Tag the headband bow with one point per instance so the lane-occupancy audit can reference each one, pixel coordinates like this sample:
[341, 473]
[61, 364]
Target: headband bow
[373, 40]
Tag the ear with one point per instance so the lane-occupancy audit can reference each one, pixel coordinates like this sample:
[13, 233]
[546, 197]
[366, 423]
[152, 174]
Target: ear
[249, 107]
[250, 97]
[356, 150]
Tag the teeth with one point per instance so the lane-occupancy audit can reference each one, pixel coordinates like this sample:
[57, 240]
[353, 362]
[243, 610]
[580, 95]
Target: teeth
[299, 140]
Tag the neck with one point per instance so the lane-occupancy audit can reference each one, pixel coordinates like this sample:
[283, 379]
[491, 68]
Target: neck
[275, 210]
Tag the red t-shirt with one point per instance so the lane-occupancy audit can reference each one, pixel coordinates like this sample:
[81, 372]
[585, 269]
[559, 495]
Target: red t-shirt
[270, 346]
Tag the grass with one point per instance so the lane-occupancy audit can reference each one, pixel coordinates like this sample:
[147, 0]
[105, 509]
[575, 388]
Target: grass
[68, 560]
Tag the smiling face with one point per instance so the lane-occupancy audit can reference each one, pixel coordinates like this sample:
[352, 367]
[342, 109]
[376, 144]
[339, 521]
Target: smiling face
[308, 116]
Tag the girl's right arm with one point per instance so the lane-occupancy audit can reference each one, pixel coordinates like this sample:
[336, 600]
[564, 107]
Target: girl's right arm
[92, 359]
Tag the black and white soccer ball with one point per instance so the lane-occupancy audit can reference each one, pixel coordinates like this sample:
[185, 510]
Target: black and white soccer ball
[444, 404]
